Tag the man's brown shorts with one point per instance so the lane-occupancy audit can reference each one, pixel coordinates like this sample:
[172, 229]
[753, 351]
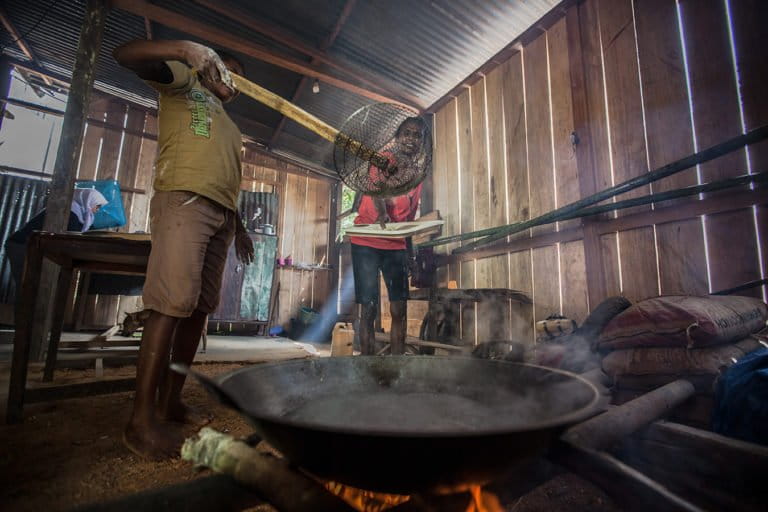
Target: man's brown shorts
[190, 239]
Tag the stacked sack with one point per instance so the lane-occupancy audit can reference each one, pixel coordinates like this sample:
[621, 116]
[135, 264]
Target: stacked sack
[659, 340]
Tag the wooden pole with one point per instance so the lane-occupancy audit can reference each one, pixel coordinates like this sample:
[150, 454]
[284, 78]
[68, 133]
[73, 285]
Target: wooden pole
[5, 84]
[68, 155]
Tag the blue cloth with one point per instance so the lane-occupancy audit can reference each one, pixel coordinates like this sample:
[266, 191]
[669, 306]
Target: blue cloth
[111, 215]
[741, 399]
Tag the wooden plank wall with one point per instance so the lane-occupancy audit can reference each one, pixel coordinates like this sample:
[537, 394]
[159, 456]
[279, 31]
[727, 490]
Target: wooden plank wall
[302, 223]
[120, 153]
[303, 229]
[641, 83]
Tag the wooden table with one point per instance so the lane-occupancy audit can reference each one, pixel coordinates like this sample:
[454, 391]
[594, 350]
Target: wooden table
[115, 253]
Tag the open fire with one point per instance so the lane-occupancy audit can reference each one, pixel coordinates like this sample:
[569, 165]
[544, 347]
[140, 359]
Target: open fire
[470, 499]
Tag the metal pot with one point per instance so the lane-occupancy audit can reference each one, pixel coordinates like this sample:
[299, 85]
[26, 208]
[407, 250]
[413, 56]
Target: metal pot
[267, 229]
[406, 424]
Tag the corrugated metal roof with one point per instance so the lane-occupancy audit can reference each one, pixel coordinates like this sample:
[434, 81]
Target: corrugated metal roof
[421, 47]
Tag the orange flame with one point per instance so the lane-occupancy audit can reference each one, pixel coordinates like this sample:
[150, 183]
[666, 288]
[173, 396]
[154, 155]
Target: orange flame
[365, 501]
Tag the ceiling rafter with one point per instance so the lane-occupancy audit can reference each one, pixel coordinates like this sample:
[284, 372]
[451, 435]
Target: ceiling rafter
[19, 40]
[345, 12]
[223, 38]
[319, 55]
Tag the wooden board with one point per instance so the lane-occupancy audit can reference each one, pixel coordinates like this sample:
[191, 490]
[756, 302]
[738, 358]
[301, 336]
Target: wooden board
[750, 31]
[498, 203]
[574, 282]
[546, 282]
[566, 171]
[731, 237]
[669, 134]
[593, 150]
[478, 168]
[440, 179]
[394, 229]
[637, 249]
[466, 198]
[518, 205]
[538, 128]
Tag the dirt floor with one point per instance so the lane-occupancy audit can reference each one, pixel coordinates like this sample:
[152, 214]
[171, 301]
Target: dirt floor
[69, 453]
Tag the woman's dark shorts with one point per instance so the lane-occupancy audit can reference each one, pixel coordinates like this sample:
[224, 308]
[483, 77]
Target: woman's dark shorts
[366, 263]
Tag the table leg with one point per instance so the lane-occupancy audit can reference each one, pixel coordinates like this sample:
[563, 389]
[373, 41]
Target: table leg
[59, 305]
[82, 296]
[23, 331]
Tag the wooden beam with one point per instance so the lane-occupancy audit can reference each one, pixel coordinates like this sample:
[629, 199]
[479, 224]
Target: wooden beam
[68, 156]
[5, 85]
[19, 40]
[223, 38]
[148, 28]
[319, 55]
[304, 81]
[686, 210]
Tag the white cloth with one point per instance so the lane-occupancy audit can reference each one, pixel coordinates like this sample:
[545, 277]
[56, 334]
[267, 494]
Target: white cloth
[84, 200]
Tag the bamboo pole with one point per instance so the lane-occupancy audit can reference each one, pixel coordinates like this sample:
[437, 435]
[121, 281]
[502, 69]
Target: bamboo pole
[309, 121]
[499, 232]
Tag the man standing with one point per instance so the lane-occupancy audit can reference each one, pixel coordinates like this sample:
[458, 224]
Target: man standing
[391, 256]
[193, 219]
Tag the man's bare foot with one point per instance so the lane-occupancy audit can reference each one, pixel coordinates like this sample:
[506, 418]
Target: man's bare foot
[156, 442]
[182, 413]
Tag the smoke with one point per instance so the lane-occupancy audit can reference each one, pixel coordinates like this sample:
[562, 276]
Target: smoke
[326, 319]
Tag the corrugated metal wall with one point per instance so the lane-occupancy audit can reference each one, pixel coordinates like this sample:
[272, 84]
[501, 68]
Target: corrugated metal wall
[20, 199]
[250, 202]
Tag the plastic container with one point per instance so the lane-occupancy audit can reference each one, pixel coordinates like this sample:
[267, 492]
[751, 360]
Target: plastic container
[112, 214]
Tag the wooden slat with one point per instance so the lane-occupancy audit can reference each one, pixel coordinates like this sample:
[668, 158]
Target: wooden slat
[452, 215]
[440, 178]
[322, 202]
[610, 264]
[731, 237]
[566, 172]
[591, 125]
[681, 252]
[128, 171]
[89, 156]
[498, 215]
[546, 293]
[105, 307]
[486, 311]
[466, 199]
[574, 282]
[750, 31]
[625, 114]
[478, 168]
[540, 164]
[500, 317]
[520, 276]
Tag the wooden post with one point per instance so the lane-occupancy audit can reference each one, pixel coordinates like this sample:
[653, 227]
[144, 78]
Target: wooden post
[68, 156]
[5, 84]
[597, 288]
[65, 169]
[333, 247]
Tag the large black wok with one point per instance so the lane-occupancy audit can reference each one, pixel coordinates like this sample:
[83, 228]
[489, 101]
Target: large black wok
[407, 424]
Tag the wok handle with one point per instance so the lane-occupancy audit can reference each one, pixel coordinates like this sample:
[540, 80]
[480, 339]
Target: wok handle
[210, 385]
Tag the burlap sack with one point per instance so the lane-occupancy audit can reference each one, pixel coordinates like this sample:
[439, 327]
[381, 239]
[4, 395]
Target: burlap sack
[676, 360]
[684, 321]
